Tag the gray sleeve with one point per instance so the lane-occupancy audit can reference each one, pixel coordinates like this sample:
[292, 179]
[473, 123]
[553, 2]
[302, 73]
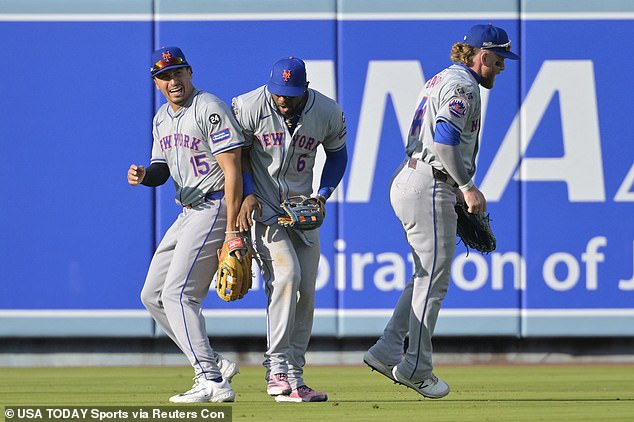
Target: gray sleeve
[240, 115]
[223, 131]
[455, 107]
[451, 159]
[336, 139]
[157, 153]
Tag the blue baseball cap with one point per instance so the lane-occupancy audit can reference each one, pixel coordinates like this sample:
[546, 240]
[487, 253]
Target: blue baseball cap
[167, 58]
[489, 37]
[288, 77]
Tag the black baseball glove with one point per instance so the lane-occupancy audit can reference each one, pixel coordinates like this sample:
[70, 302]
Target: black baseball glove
[474, 229]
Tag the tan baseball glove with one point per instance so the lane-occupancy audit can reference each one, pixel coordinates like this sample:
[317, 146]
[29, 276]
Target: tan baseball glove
[234, 277]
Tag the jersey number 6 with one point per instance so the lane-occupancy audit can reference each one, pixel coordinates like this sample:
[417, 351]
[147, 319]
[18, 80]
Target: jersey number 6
[301, 162]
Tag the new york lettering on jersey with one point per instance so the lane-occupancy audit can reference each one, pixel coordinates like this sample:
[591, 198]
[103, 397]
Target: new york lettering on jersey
[181, 140]
[307, 143]
[271, 139]
[276, 139]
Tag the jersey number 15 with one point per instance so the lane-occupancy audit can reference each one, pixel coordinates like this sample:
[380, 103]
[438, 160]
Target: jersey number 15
[200, 166]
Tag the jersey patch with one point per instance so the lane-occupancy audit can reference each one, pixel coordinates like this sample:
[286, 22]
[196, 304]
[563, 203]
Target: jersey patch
[215, 119]
[458, 107]
[221, 135]
[343, 131]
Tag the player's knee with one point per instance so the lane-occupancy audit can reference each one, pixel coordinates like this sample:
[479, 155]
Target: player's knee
[289, 282]
[149, 299]
[173, 296]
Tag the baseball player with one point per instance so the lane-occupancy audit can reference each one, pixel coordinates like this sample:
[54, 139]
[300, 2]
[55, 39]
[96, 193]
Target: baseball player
[198, 142]
[438, 170]
[284, 123]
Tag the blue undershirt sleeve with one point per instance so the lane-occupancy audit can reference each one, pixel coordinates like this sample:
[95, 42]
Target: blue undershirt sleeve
[334, 168]
[446, 134]
[247, 183]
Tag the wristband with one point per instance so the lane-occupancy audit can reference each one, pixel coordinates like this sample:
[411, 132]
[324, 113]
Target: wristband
[247, 183]
[466, 186]
[325, 191]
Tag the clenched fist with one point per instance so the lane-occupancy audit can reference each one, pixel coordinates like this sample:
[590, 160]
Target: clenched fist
[136, 174]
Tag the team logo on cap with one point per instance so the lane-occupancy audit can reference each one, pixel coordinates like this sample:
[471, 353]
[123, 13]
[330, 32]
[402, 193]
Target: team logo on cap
[167, 56]
[286, 74]
[458, 107]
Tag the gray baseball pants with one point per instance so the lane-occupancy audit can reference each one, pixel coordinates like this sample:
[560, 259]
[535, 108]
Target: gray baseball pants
[425, 207]
[179, 277]
[289, 271]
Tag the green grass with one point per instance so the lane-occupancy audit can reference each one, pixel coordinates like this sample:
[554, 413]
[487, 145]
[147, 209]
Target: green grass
[479, 393]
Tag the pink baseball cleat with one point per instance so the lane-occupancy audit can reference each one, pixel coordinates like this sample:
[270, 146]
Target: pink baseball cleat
[302, 394]
[278, 384]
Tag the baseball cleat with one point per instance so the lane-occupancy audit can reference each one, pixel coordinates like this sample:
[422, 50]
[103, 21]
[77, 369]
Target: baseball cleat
[205, 391]
[278, 384]
[433, 388]
[303, 394]
[376, 365]
[228, 368]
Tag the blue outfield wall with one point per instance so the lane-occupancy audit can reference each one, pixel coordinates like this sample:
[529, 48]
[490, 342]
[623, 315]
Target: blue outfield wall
[556, 164]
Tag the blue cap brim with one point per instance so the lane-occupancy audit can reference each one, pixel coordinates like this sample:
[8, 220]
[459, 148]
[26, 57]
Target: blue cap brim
[506, 54]
[178, 66]
[284, 90]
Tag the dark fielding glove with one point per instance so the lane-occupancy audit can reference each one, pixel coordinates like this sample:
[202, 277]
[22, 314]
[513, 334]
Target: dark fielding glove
[233, 279]
[302, 213]
[475, 230]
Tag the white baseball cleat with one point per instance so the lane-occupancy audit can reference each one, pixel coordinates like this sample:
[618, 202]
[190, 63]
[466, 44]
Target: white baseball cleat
[205, 391]
[370, 360]
[228, 368]
[433, 387]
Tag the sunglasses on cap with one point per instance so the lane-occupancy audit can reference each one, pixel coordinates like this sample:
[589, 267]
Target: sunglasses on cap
[489, 44]
[172, 61]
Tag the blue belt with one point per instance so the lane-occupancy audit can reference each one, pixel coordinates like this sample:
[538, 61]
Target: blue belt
[215, 195]
[210, 196]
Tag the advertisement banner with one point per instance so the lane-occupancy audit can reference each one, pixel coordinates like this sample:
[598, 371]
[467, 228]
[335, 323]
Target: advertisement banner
[555, 165]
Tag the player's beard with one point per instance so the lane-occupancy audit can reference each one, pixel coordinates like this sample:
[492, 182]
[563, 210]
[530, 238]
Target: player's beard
[288, 108]
[488, 82]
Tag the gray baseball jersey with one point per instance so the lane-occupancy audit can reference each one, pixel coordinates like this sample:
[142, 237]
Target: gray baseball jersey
[424, 203]
[453, 96]
[187, 141]
[282, 164]
[185, 261]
